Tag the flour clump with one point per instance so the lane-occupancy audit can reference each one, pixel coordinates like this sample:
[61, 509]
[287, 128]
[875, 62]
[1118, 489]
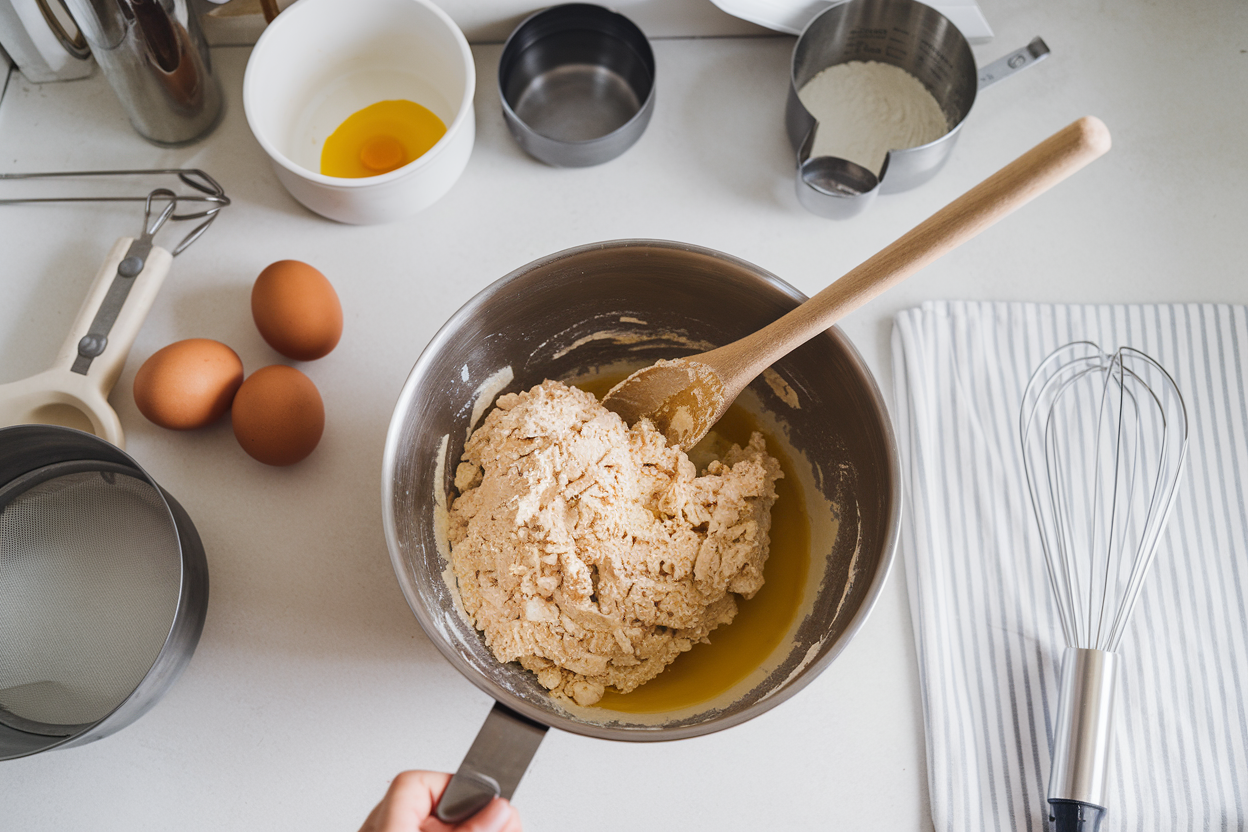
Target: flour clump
[593, 553]
[866, 108]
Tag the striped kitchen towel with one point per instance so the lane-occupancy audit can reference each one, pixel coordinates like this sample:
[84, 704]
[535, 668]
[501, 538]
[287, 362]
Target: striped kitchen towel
[989, 641]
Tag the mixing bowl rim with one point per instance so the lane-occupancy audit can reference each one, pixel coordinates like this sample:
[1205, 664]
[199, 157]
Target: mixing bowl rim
[568, 723]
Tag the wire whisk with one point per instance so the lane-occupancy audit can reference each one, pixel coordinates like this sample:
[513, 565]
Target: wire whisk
[204, 201]
[1104, 440]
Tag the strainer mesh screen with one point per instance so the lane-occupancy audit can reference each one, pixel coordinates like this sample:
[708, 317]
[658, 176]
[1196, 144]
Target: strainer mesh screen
[89, 584]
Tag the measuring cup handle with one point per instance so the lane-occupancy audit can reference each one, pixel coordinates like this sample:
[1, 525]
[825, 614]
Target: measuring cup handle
[1016, 61]
[112, 313]
[493, 765]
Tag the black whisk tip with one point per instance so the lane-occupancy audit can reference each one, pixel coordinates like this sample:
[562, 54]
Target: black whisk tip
[1074, 816]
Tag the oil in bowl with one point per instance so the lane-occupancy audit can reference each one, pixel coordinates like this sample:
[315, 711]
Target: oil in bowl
[323, 67]
[380, 138]
[738, 649]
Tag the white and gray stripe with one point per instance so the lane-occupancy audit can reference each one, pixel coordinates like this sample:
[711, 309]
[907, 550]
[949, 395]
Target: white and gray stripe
[988, 634]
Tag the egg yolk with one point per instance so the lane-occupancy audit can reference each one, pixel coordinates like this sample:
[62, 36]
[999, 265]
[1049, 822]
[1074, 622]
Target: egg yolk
[380, 138]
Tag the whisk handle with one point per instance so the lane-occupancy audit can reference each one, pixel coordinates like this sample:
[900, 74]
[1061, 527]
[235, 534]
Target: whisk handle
[1083, 739]
[1074, 816]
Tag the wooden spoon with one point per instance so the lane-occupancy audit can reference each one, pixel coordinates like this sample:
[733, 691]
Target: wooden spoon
[685, 397]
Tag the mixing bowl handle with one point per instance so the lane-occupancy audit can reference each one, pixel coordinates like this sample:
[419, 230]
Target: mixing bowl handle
[497, 760]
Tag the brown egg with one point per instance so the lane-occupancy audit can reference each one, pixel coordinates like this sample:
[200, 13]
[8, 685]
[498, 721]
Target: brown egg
[188, 384]
[278, 415]
[296, 310]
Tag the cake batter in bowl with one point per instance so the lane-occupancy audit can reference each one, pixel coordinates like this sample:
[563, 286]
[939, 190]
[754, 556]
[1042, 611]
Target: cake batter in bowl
[597, 312]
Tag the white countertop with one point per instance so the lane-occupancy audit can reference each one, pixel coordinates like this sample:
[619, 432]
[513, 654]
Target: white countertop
[313, 684]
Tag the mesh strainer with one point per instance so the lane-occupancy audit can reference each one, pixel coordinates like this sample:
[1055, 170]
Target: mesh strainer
[103, 589]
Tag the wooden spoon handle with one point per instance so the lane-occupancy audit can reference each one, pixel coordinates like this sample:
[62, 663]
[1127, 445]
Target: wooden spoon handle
[1026, 177]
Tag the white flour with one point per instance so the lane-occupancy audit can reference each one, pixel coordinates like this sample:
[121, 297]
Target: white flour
[867, 108]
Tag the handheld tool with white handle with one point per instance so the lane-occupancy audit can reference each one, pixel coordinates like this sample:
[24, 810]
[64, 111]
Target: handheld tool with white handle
[74, 391]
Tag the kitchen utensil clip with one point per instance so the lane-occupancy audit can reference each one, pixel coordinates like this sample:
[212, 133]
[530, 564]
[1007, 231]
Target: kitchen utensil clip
[74, 391]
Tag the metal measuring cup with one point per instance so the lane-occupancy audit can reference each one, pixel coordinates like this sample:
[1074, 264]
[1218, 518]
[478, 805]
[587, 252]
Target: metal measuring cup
[908, 35]
[577, 84]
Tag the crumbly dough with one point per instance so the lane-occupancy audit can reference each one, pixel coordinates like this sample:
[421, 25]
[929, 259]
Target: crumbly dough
[592, 553]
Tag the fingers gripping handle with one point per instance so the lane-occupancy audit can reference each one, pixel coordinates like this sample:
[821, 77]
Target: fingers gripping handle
[493, 766]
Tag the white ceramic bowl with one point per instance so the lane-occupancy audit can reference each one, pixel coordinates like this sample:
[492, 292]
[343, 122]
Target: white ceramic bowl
[319, 61]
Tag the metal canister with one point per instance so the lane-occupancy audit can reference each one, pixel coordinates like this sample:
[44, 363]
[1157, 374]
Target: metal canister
[156, 60]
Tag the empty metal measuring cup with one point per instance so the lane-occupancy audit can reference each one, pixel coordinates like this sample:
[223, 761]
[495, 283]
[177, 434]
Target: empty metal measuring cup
[906, 34]
[577, 84]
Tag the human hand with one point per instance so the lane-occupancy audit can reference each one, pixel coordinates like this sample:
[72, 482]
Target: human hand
[409, 803]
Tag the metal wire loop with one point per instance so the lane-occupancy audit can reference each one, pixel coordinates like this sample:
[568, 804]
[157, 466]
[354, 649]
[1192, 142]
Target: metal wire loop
[208, 197]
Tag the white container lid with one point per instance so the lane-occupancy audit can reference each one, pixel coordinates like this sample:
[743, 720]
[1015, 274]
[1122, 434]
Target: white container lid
[791, 16]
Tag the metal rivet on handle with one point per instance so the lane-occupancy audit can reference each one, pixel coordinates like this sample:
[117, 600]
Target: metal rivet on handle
[130, 267]
[90, 346]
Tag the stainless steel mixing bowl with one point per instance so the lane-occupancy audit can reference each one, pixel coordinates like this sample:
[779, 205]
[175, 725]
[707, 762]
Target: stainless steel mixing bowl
[651, 299]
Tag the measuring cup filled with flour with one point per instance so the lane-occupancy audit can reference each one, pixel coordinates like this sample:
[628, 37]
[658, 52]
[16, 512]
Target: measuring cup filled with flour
[879, 90]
